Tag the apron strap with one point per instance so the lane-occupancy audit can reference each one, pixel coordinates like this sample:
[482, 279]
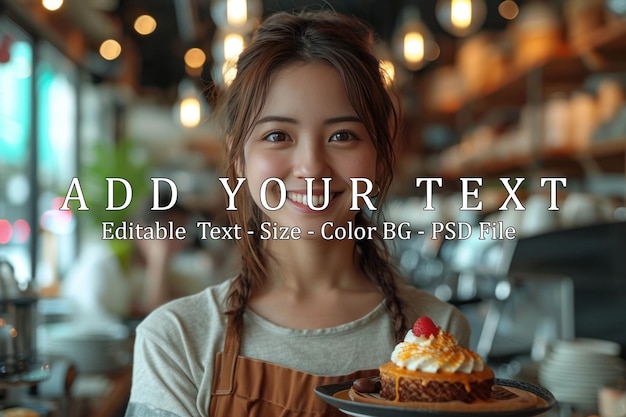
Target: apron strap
[223, 383]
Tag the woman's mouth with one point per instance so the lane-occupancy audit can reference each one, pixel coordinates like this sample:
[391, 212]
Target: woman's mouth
[317, 200]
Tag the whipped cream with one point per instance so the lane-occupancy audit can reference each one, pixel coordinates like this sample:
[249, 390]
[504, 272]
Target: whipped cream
[435, 353]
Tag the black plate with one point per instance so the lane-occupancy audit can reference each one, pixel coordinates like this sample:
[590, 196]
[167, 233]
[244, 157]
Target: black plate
[327, 392]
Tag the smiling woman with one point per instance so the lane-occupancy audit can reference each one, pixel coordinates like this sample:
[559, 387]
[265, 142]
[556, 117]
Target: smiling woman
[309, 123]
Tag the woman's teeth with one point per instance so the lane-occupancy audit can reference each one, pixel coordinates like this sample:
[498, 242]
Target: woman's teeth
[317, 200]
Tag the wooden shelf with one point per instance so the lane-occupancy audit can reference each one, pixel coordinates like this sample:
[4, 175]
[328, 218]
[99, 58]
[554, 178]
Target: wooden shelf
[564, 71]
[610, 155]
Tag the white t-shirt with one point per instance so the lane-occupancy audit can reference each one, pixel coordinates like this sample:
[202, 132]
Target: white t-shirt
[176, 345]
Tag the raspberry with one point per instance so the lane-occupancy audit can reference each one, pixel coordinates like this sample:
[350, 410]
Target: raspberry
[424, 326]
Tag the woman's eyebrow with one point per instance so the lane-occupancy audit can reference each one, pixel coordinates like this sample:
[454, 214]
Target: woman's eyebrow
[332, 120]
[267, 119]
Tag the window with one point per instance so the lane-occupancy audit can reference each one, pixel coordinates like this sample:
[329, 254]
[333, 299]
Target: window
[38, 153]
[56, 92]
[16, 157]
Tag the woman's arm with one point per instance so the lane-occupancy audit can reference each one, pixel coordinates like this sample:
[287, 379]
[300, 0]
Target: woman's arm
[162, 386]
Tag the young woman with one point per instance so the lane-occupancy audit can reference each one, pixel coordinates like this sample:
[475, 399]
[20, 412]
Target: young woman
[309, 101]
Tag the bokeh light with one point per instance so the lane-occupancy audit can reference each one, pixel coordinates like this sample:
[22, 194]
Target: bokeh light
[145, 24]
[110, 49]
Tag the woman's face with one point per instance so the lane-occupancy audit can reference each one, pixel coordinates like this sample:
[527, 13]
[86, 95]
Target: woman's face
[308, 129]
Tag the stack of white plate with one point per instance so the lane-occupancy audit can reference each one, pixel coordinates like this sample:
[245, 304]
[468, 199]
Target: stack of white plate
[91, 347]
[574, 370]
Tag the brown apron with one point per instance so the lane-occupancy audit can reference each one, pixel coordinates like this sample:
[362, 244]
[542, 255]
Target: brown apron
[253, 388]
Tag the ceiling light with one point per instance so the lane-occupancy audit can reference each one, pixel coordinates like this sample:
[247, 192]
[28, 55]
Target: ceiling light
[110, 49]
[52, 5]
[236, 12]
[411, 39]
[190, 107]
[225, 50]
[190, 112]
[413, 47]
[508, 9]
[145, 24]
[240, 15]
[195, 58]
[461, 17]
[227, 46]
[233, 46]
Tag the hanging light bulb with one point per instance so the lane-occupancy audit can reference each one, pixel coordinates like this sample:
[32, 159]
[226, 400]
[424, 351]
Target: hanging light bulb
[194, 58]
[414, 47]
[236, 12]
[509, 9]
[226, 49]
[190, 108]
[412, 40]
[461, 17]
[110, 49]
[145, 24]
[242, 15]
[52, 5]
[190, 112]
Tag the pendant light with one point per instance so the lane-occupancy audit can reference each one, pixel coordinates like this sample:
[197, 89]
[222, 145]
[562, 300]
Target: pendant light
[412, 39]
[190, 108]
[461, 17]
[240, 15]
[225, 50]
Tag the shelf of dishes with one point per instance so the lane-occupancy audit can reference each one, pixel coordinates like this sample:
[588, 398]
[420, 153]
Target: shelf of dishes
[529, 103]
[506, 157]
[489, 72]
[570, 133]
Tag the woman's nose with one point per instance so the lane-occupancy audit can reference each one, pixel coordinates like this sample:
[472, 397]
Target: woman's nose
[310, 161]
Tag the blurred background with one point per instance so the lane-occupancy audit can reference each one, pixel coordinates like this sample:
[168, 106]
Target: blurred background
[495, 89]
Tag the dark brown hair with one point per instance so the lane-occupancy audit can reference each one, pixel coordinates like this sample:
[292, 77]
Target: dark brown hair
[344, 43]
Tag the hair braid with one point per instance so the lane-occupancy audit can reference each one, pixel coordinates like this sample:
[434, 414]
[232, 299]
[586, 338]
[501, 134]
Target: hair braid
[252, 274]
[237, 299]
[379, 269]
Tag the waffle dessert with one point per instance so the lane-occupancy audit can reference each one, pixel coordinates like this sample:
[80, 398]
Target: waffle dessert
[429, 366]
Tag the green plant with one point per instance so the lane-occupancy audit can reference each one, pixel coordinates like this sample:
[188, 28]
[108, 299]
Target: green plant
[124, 159]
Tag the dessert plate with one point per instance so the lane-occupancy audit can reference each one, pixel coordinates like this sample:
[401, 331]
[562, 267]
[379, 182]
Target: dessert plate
[371, 405]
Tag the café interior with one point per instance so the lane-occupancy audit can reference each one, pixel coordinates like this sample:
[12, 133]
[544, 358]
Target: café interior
[496, 90]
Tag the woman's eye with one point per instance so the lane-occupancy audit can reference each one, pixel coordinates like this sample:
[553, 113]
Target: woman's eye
[276, 137]
[342, 137]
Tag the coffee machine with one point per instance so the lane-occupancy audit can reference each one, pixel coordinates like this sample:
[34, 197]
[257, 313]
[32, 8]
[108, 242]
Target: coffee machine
[20, 365]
